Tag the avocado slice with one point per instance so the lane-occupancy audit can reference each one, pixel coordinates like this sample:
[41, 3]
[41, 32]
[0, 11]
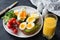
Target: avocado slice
[33, 30]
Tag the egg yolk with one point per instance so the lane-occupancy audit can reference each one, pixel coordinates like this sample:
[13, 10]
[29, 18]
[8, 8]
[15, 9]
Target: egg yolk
[29, 25]
[30, 19]
[23, 14]
[22, 26]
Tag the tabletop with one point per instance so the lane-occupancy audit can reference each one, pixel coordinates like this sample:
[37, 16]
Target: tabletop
[5, 36]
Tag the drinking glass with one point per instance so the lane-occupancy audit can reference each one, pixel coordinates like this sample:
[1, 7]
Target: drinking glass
[50, 22]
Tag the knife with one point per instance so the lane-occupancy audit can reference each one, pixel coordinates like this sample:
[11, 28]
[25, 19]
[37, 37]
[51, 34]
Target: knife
[9, 7]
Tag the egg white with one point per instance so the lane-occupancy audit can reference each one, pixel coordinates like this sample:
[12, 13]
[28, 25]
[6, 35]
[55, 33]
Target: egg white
[16, 11]
[35, 15]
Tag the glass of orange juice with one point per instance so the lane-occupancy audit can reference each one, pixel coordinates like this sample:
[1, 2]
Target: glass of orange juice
[50, 22]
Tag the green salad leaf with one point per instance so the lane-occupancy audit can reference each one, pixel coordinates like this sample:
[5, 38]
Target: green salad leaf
[8, 15]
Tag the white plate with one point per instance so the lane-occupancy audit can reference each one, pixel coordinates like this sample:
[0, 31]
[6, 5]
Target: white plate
[20, 34]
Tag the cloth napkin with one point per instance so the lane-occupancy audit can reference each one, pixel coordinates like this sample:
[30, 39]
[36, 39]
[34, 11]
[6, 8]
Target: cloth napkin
[47, 5]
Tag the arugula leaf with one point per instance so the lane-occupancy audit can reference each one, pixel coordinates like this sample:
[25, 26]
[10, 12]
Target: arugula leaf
[8, 15]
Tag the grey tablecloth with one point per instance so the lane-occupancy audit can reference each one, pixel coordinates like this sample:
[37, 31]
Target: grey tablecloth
[5, 36]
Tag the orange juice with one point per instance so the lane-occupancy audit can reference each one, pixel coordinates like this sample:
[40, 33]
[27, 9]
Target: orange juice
[49, 27]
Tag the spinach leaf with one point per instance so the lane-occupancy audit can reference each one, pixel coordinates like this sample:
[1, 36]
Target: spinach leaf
[8, 15]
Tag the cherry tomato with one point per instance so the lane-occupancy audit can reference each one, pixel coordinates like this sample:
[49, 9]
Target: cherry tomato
[9, 26]
[14, 21]
[15, 31]
[9, 22]
[13, 28]
[18, 23]
[12, 25]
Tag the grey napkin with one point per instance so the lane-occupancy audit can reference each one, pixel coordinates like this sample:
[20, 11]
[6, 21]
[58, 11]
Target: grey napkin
[50, 5]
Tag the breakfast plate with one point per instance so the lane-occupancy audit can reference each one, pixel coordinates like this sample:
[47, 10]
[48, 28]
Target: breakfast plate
[22, 31]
